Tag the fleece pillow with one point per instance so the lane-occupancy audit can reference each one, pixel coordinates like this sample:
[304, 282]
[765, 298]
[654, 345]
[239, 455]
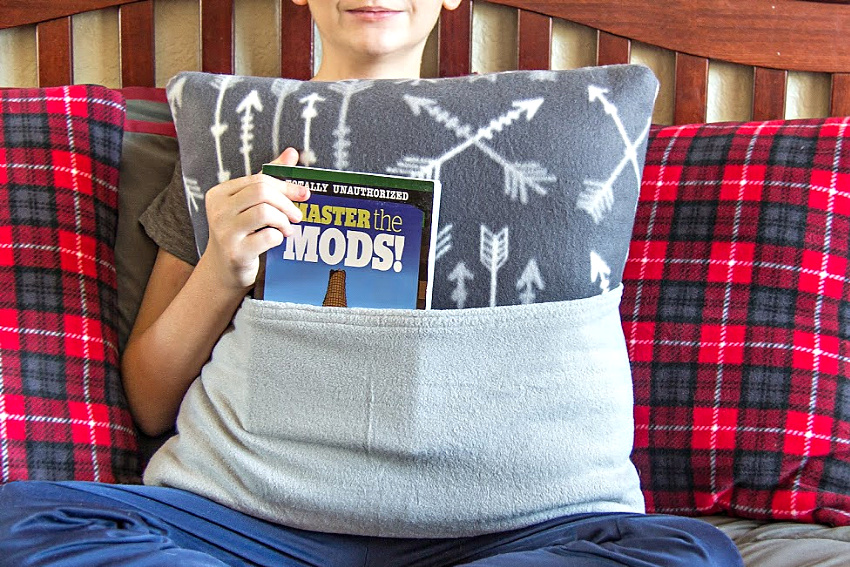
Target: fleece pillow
[540, 170]
[62, 411]
[736, 312]
[149, 154]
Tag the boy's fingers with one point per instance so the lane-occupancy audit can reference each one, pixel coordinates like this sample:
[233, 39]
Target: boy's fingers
[296, 192]
[288, 157]
[292, 191]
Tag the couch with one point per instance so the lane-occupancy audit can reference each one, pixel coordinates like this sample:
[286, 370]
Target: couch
[735, 312]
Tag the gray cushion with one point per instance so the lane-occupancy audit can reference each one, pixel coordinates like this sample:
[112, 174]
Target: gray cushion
[540, 169]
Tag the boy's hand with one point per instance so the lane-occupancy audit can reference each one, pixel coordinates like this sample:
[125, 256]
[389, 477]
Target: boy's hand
[248, 216]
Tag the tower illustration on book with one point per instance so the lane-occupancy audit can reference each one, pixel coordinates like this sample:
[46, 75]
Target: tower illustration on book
[365, 240]
[335, 294]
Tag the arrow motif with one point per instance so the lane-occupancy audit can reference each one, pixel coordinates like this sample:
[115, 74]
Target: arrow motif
[414, 82]
[599, 270]
[597, 93]
[308, 156]
[494, 249]
[419, 167]
[175, 94]
[440, 116]
[519, 178]
[596, 199]
[222, 83]
[598, 196]
[246, 108]
[485, 77]
[541, 75]
[347, 89]
[194, 195]
[444, 241]
[529, 283]
[459, 275]
[281, 88]
[527, 108]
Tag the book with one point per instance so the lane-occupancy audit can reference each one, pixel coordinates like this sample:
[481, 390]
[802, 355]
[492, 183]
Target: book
[366, 240]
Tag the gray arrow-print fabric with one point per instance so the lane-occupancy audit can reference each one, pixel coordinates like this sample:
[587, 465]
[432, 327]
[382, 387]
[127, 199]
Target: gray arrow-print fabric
[540, 170]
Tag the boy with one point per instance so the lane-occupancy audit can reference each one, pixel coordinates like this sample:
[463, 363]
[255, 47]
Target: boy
[91, 524]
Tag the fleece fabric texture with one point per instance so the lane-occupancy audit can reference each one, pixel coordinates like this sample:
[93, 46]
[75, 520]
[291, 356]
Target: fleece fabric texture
[408, 423]
[540, 170]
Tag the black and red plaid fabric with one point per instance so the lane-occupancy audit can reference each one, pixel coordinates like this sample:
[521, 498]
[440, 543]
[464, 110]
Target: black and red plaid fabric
[737, 318]
[62, 408]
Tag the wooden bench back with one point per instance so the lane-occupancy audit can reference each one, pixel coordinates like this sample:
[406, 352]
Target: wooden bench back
[772, 36]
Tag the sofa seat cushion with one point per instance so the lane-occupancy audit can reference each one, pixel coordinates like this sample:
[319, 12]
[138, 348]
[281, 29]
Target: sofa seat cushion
[786, 544]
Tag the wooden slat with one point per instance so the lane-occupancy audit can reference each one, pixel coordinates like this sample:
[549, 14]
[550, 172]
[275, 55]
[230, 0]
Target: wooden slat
[840, 99]
[18, 13]
[691, 89]
[455, 41]
[779, 34]
[769, 88]
[53, 43]
[217, 36]
[135, 28]
[534, 41]
[296, 41]
[612, 49]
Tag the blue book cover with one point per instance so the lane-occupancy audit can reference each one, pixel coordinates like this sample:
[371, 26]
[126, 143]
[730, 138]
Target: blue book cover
[365, 241]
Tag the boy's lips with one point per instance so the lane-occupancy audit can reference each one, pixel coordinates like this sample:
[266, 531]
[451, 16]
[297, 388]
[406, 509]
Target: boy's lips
[373, 12]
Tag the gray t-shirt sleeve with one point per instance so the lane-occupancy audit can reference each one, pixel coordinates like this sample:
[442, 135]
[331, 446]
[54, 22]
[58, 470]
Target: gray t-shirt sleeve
[167, 220]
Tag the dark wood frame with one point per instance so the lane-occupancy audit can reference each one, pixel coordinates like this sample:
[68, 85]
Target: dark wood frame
[772, 36]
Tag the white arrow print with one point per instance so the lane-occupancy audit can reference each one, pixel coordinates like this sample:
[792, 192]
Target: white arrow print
[529, 283]
[281, 88]
[599, 270]
[441, 116]
[444, 241]
[347, 89]
[194, 195]
[598, 93]
[459, 275]
[175, 94]
[518, 177]
[521, 107]
[222, 83]
[246, 108]
[598, 196]
[308, 156]
[494, 249]
[415, 82]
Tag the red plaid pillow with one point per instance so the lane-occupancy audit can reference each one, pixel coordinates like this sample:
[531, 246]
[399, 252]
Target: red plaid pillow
[62, 409]
[737, 317]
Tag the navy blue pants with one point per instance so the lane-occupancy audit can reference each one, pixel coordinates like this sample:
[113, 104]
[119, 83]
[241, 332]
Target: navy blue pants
[87, 525]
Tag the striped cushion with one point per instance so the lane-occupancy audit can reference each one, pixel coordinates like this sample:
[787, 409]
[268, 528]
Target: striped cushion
[737, 318]
[62, 409]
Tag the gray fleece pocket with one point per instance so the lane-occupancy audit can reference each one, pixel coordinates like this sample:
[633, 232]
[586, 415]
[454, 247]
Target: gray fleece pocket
[411, 423]
[412, 382]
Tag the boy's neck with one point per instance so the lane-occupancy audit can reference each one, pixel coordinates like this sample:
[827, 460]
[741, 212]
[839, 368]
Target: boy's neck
[337, 69]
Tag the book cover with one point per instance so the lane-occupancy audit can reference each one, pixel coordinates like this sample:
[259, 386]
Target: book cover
[366, 240]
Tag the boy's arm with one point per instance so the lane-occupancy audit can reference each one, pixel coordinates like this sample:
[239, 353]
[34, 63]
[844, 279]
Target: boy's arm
[179, 321]
[185, 310]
